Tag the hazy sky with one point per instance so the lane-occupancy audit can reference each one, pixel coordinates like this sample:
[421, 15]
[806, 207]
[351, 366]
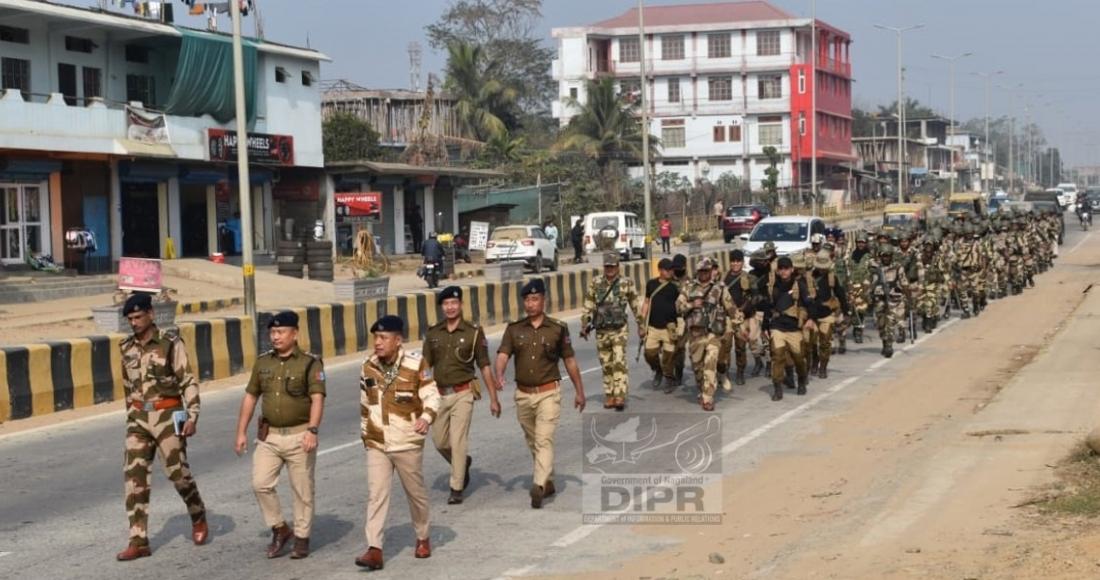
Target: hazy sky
[1037, 43]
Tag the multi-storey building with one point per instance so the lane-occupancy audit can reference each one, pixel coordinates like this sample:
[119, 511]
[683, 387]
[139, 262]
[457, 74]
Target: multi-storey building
[724, 81]
[124, 126]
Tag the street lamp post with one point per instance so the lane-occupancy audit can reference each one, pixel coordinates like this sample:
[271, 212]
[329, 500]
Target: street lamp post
[951, 62]
[645, 131]
[901, 105]
[1012, 145]
[813, 108]
[244, 185]
[988, 76]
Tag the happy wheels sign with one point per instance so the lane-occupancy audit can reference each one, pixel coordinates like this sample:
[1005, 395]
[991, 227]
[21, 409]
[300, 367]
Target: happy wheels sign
[262, 147]
[140, 274]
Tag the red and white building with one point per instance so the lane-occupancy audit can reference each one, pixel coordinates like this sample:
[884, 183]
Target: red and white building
[724, 80]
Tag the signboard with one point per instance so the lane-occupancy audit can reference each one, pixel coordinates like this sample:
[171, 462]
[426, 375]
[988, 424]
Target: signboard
[140, 274]
[479, 235]
[146, 126]
[296, 190]
[360, 204]
[262, 147]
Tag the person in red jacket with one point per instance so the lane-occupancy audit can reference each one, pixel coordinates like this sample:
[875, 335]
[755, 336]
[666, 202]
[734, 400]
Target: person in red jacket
[665, 231]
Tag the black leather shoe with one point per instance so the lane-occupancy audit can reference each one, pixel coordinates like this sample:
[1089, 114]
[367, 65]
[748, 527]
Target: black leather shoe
[777, 391]
[455, 498]
[536, 496]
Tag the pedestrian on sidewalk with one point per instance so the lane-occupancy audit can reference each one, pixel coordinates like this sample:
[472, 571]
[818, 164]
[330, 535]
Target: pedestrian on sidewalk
[398, 400]
[538, 343]
[577, 237]
[159, 387]
[455, 349]
[291, 383]
[665, 232]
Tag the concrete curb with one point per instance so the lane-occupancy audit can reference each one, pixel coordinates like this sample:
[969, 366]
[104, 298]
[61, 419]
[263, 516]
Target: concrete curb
[208, 305]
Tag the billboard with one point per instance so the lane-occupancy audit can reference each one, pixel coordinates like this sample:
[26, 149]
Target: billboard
[366, 204]
[262, 147]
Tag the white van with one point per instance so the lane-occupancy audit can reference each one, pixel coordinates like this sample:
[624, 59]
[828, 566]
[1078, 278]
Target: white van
[1069, 193]
[628, 230]
[790, 234]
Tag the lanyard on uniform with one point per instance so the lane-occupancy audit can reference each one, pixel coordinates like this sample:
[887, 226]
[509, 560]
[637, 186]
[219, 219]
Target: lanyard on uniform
[473, 349]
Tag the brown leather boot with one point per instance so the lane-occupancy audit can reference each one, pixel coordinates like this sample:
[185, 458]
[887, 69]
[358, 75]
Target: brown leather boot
[537, 493]
[423, 548]
[371, 559]
[200, 532]
[280, 535]
[549, 489]
[301, 549]
[133, 552]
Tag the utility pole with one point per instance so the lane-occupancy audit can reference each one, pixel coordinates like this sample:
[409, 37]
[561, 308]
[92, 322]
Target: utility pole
[901, 109]
[951, 129]
[988, 76]
[645, 132]
[244, 184]
[1012, 145]
[813, 108]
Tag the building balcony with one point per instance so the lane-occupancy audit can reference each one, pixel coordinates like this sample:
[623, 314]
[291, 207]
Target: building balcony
[835, 66]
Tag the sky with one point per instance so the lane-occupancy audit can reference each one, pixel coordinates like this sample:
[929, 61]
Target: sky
[1046, 49]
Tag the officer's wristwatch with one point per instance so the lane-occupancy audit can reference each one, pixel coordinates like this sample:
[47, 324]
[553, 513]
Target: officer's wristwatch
[312, 430]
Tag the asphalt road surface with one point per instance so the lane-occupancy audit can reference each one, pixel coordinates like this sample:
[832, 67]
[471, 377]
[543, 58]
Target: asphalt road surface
[61, 488]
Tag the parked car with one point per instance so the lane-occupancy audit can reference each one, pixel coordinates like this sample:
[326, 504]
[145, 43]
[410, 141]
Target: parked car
[790, 234]
[1064, 198]
[624, 226]
[740, 219]
[997, 202]
[1093, 195]
[527, 243]
[965, 203]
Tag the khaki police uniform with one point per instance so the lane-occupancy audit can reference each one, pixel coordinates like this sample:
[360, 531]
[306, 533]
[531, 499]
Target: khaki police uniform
[454, 356]
[285, 387]
[538, 396]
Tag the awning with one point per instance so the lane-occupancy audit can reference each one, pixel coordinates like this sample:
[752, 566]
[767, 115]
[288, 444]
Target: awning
[202, 175]
[142, 149]
[256, 175]
[404, 169]
[146, 172]
[21, 168]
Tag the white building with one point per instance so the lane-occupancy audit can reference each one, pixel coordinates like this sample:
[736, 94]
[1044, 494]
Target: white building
[724, 80]
[124, 126]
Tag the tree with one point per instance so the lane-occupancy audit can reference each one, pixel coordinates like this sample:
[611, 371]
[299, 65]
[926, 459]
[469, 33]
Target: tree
[771, 182]
[502, 150]
[506, 31]
[484, 104]
[347, 137]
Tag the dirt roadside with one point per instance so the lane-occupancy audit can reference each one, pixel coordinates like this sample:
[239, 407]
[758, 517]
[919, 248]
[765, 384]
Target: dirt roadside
[919, 479]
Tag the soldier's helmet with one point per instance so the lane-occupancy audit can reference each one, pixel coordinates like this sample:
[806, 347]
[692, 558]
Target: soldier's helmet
[704, 264]
[769, 246]
[886, 251]
[861, 237]
[817, 239]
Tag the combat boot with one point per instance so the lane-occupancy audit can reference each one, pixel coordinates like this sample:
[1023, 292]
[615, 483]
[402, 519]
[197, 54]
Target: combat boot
[671, 384]
[777, 391]
[757, 365]
[802, 382]
[857, 335]
[887, 349]
[727, 385]
[1030, 281]
[788, 378]
[842, 344]
[823, 371]
[739, 378]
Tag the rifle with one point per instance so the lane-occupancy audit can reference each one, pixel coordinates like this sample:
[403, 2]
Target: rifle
[592, 323]
[912, 322]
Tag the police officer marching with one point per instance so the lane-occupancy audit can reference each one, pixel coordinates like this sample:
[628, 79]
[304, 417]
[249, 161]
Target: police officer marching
[661, 333]
[605, 303]
[538, 343]
[398, 400]
[291, 385]
[159, 386]
[454, 349]
[707, 308]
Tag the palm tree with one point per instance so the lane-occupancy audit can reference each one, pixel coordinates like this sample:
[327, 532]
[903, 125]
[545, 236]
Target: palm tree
[484, 104]
[606, 129]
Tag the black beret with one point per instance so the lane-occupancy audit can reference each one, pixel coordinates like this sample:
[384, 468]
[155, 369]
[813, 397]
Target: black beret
[785, 262]
[664, 264]
[388, 323]
[679, 262]
[286, 318]
[449, 292]
[535, 286]
[137, 302]
[737, 255]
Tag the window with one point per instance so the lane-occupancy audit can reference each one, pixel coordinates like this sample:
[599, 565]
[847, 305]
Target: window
[141, 88]
[735, 133]
[307, 78]
[673, 133]
[718, 45]
[674, 90]
[802, 82]
[573, 93]
[629, 50]
[801, 123]
[672, 47]
[720, 88]
[719, 134]
[16, 35]
[280, 74]
[138, 54]
[93, 83]
[770, 87]
[767, 43]
[15, 73]
[77, 44]
[630, 88]
[770, 131]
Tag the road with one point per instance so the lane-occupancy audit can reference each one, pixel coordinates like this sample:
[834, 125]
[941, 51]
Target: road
[63, 513]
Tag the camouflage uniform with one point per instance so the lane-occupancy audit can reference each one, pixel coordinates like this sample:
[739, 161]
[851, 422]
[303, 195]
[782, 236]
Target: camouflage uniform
[859, 290]
[741, 288]
[930, 279]
[840, 329]
[605, 305]
[889, 301]
[706, 326]
[969, 262]
[157, 370]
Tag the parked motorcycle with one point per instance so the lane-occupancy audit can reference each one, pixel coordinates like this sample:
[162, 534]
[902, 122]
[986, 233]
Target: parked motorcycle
[1084, 213]
[430, 273]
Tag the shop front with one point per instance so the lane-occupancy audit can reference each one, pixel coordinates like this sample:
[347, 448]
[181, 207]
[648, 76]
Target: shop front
[24, 208]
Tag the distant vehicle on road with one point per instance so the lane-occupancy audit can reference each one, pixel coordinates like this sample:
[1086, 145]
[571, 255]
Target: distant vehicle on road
[1064, 198]
[790, 234]
[902, 215]
[965, 203]
[527, 243]
[628, 231]
[1093, 195]
[740, 219]
[1069, 195]
[997, 202]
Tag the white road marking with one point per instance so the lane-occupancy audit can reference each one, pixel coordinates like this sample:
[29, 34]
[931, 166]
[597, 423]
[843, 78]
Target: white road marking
[516, 572]
[1078, 245]
[340, 447]
[876, 365]
[2, 554]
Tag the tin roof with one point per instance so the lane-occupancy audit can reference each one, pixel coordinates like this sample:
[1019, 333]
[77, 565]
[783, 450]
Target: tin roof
[709, 13]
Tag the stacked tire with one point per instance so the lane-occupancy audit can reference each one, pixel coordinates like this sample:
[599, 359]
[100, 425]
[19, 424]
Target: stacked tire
[290, 258]
[319, 259]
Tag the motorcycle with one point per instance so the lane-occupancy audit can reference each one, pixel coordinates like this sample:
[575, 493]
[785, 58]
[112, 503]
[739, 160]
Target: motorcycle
[430, 273]
[1085, 215]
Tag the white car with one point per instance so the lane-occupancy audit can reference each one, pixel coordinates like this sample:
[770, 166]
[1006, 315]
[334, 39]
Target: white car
[1065, 198]
[625, 226]
[526, 243]
[790, 234]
